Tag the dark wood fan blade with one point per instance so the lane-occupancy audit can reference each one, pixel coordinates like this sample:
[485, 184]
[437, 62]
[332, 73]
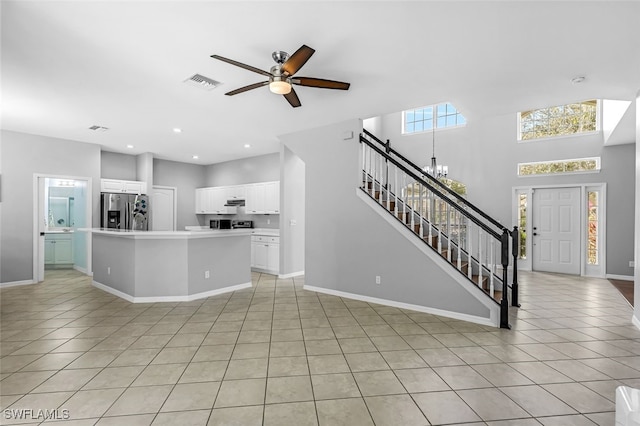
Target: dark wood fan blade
[321, 83]
[297, 60]
[245, 88]
[292, 97]
[241, 65]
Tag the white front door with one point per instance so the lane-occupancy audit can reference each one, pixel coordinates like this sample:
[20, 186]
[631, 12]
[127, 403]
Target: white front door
[556, 230]
[162, 206]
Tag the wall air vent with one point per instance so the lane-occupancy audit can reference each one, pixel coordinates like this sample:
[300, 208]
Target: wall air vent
[202, 82]
[97, 128]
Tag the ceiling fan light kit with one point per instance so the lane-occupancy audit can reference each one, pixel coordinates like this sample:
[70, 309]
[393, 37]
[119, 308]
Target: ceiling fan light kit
[281, 75]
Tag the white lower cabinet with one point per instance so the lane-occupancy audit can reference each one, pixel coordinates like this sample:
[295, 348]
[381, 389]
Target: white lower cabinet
[58, 249]
[265, 254]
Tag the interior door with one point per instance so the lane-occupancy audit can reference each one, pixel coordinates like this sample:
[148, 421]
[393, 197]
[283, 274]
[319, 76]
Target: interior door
[556, 230]
[162, 207]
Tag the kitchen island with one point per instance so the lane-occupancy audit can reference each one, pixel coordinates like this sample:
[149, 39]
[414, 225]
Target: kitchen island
[164, 266]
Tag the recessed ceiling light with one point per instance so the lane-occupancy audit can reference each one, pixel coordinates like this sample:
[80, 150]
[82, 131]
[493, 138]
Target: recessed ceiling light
[195, 157]
[176, 130]
[246, 145]
[130, 146]
[578, 80]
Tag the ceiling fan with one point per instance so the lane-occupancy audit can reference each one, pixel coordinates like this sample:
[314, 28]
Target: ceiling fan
[281, 76]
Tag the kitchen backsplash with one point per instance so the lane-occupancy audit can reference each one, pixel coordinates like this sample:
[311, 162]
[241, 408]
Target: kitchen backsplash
[259, 220]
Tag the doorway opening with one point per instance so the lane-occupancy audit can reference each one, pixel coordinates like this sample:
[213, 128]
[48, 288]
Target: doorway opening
[63, 206]
[562, 228]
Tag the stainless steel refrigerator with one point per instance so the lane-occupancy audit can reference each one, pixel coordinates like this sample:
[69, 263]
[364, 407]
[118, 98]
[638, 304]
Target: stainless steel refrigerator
[124, 211]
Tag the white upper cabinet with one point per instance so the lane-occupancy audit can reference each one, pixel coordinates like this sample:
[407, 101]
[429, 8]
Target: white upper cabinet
[260, 198]
[236, 192]
[212, 201]
[272, 197]
[263, 198]
[123, 186]
[255, 199]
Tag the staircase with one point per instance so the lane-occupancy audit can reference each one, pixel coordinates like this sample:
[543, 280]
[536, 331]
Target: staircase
[473, 243]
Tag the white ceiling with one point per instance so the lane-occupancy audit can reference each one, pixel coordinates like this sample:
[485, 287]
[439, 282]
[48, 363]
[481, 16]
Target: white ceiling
[121, 64]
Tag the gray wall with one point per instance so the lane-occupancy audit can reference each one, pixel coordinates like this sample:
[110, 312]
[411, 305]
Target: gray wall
[292, 199]
[115, 165]
[186, 177]
[263, 168]
[348, 243]
[484, 156]
[24, 155]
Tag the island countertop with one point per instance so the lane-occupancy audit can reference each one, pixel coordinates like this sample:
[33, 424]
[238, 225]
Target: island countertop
[127, 233]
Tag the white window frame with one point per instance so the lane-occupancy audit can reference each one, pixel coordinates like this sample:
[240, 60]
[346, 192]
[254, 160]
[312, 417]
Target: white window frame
[435, 120]
[568, 135]
[577, 172]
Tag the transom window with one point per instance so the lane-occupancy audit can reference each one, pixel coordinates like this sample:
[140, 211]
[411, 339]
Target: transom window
[578, 165]
[560, 120]
[431, 117]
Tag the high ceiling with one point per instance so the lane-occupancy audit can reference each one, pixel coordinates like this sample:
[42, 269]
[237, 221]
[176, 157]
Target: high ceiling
[121, 64]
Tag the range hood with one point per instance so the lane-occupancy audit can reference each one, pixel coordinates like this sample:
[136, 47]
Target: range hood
[235, 202]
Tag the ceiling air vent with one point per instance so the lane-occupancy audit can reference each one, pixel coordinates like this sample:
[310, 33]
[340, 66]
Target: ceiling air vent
[202, 82]
[97, 128]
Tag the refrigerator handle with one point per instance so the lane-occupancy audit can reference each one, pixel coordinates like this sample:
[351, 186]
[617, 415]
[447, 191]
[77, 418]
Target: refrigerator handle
[127, 216]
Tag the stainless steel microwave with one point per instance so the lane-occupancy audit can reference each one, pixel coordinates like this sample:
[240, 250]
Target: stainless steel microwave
[220, 224]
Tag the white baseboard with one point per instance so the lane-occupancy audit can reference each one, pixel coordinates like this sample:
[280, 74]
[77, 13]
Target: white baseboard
[402, 305]
[155, 299]
[79, 269]
[619, 277]
[291, 275]
[17, 283]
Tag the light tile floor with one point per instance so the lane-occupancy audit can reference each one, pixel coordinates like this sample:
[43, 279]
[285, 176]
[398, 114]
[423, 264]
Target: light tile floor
[276, 354]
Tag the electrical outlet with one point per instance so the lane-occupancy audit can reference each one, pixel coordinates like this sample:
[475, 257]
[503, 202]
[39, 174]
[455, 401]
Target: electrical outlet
[207, 274]
[632, 264]
[108, 270]
[378, 281]
[268, 221]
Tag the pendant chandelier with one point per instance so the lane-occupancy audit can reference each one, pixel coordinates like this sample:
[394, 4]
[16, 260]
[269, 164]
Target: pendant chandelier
[436, 170]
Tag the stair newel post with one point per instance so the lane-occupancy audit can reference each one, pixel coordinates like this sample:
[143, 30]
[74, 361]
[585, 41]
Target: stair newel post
[515, 248]
[504, 304]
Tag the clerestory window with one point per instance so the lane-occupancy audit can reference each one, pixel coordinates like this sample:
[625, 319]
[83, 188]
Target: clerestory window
[559, 120]
[431, 117]
[577, 165]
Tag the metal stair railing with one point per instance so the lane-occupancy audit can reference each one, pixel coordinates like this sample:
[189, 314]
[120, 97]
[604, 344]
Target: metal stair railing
[471, 241]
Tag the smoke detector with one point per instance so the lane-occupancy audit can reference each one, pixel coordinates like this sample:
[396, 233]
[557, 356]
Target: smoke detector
[202, 82]
[97, 128]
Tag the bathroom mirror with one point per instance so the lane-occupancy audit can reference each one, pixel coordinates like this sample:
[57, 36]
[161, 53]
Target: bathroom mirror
[60, 212]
